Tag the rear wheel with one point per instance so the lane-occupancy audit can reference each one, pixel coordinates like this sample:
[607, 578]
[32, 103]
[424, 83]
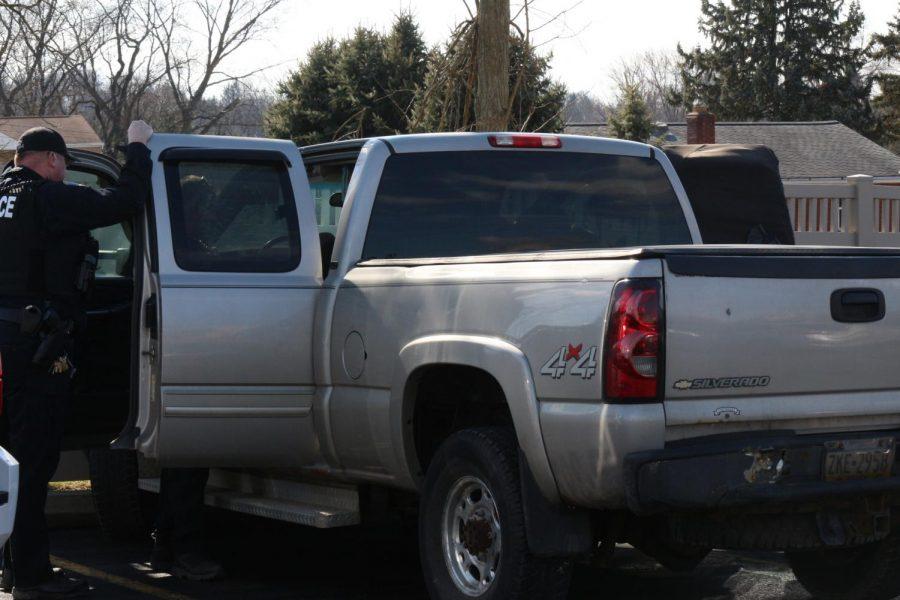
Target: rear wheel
[870, 572]
[472, 537]
[119, 503]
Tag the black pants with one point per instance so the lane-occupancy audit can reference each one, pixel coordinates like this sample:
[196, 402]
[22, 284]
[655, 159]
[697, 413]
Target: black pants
[179, 523]
[35, 407]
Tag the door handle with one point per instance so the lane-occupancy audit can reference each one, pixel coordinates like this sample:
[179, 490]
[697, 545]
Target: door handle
[857, 305]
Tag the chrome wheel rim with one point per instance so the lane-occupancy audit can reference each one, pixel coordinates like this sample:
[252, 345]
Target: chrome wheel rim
[471, 536]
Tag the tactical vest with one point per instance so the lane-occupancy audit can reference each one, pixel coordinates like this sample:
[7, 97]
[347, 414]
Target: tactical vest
[21, 239]
[34, 266]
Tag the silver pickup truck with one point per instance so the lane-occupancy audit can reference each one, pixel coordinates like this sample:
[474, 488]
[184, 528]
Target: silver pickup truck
[521, 330]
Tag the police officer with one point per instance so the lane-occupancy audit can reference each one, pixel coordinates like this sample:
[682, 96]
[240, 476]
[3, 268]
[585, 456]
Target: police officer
[46, 260]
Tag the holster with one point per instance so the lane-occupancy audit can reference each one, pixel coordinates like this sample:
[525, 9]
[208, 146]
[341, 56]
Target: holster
[54, 332]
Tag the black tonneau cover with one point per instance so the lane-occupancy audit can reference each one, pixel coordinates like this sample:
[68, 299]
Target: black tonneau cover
[735, 191]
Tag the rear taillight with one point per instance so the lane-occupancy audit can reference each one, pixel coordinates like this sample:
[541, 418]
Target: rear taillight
[632, 358]
[517, 140]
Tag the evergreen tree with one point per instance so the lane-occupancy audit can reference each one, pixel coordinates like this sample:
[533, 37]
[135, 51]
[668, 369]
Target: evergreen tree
[306, 106]
[405, 50]
[887, 103]
[357, 87]
[787, 60]
[446, 101]
[632, 121]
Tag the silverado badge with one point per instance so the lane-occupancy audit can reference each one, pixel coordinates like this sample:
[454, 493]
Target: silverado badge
[722, 383]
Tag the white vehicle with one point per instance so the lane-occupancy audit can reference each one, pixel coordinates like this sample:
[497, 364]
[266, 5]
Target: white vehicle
[520, 329]
[9, 483]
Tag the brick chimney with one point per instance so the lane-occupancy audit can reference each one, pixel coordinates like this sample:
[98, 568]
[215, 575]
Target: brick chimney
[701, 126]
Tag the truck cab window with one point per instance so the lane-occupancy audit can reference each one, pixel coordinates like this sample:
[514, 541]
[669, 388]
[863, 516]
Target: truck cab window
[233, 217]
[326, 180]
[115, 240]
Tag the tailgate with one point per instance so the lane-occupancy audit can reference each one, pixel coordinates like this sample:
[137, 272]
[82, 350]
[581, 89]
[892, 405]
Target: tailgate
[796, 340]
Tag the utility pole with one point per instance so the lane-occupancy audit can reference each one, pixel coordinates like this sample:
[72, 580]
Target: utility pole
[493, 65]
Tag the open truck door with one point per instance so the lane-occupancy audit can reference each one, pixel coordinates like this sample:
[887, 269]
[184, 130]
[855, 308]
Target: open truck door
[230, 274]
[101, 391]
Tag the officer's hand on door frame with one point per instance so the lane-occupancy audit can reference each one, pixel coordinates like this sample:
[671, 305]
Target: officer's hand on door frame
[139, 132]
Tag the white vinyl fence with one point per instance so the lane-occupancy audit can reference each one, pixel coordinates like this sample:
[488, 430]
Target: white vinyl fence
[855, 213]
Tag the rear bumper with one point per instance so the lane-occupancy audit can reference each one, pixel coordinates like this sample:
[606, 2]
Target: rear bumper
[720, 472]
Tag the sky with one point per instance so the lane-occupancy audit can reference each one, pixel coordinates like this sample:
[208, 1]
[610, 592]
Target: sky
[587, 42]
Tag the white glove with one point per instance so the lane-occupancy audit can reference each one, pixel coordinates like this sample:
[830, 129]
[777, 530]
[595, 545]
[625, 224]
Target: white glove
[139, 132]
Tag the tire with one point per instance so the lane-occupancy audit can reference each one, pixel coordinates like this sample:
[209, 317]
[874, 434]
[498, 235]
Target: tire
[481, 465]
[868, 572]
[117, 499]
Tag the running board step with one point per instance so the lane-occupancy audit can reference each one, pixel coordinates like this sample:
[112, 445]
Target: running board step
[302, 503]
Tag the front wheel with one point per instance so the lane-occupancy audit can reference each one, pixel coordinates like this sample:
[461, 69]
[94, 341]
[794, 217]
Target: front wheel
[472, 537]
[868, 572]
[119, 503]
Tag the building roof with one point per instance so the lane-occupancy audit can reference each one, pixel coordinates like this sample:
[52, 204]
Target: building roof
[806, 150]
[7, 143]
[75, 129]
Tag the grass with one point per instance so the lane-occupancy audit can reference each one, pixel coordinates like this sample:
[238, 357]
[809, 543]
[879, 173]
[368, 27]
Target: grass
[70, 486]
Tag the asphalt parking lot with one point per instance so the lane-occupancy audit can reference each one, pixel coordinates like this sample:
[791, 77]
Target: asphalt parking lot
[269, 560]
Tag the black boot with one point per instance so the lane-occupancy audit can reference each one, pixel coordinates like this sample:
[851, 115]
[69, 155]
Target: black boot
[196, 566]
[6, 580]
[60, 585]
[161, 557]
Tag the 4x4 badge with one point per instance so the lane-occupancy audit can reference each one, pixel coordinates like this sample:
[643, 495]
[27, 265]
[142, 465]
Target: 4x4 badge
[584, 365]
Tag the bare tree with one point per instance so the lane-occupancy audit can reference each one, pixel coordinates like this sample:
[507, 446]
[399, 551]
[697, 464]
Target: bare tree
[655, 74]
[20, 6]
[191, 72]
[160, 60]
[448, 100]
[34, 47]
[583, 107]
[115, 65]
[492, 59]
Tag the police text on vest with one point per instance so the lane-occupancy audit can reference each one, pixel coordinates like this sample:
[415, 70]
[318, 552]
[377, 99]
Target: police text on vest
[7, 204]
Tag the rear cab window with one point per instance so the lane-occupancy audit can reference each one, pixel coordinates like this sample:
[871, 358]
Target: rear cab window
[445, 204]
[328, 184]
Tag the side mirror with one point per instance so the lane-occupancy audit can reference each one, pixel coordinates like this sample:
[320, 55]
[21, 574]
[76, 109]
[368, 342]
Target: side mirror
[336, 200]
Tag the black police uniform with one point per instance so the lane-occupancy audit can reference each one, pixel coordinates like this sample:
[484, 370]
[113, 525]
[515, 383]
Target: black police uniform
[44, 231]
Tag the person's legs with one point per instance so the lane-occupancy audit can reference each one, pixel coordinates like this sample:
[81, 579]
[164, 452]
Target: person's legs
[179, 544]
[179, 524]
[35, 403]
[31, 418]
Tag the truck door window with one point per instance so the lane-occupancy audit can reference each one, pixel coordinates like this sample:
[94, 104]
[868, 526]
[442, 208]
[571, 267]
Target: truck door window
[233, 217]
[326, 180]
[115, 240]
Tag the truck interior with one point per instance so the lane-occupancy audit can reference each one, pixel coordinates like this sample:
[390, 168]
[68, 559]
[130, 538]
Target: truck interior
[100, 401]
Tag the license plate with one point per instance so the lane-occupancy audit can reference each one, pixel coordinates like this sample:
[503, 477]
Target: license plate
[859, 459]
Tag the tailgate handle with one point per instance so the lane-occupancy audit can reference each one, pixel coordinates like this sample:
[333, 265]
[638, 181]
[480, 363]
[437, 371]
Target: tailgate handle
[859, 305]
